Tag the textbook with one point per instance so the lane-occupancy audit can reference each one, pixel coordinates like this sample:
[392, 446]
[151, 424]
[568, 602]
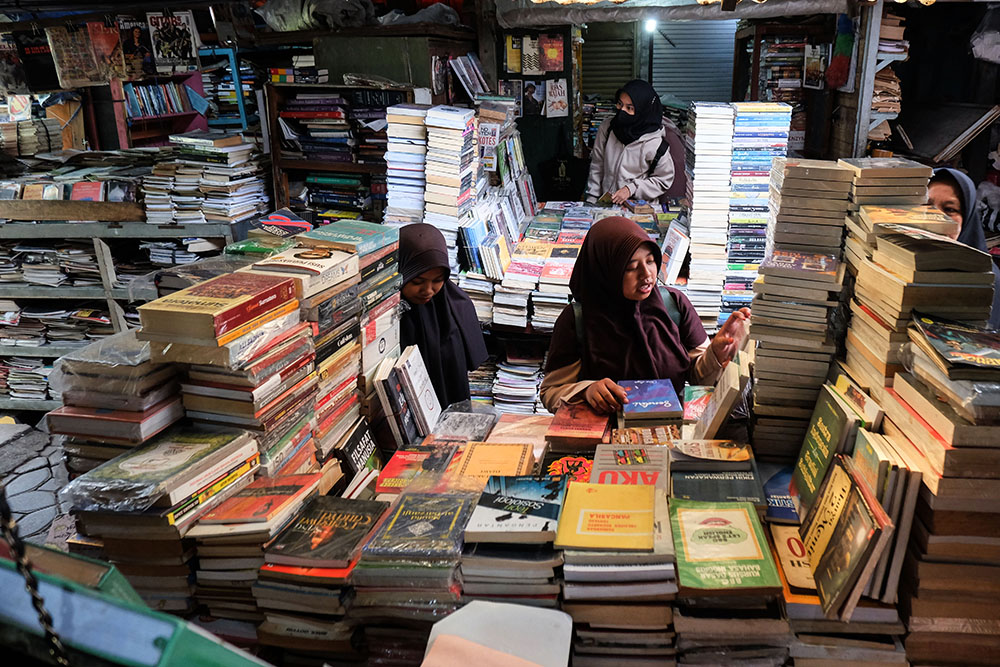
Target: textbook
[326, 533]
[607, 516]
[519, 509]
[720, 486]
[622, 464]
[721, 549]
[650, 399]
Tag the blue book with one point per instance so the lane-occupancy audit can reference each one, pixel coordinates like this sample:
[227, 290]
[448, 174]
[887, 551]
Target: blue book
[355, 236]
[777, 482]
[651, 399]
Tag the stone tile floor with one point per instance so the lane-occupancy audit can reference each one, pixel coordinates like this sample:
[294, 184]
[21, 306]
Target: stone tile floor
[32, 471]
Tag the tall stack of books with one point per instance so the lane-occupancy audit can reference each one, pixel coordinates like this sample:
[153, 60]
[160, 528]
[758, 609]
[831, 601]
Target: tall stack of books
[316, 125]
[794, 298]
[405, 156]
[782, 59]
[709, 142]
[143, 503]
[451, 168]
[945, 414]
[114, 398]
[760, 134]
[232, 537]
[302, 589]
[621, 569]
[728, 585]
[887, 181]
[518, 379]
[911, 271]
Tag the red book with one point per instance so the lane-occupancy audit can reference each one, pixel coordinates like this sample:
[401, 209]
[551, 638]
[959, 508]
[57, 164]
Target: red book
[578, 424]
[87, 191]
[312, 114]
[212, 308]
[406, 463]
[312, 575]
[116, 426]
[264, 499]
[304, 459]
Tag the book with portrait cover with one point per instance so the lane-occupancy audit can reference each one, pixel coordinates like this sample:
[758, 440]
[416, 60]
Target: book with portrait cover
[650, 399]
[137, 48]
[326, 534]
[175, 41]
[106, 43]
[522, 509]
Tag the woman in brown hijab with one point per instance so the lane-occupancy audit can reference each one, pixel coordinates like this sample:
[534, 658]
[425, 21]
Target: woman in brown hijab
[437, 316]
[627, 332]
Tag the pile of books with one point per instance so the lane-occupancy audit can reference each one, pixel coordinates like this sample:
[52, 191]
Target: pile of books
[316, 126]
[303, 70]
[945, 414]
[782, 59]
[887, 181]
[450, 167]
[861, 240]
[338, 195]
[709, 142]
[518, 379]
[27, 138]
[794, 298]
[890, 35]
[114, 398]
[911, 271]
[26, 378]
[760, 135]
[405, 157]
[220, 88]
[142, 504]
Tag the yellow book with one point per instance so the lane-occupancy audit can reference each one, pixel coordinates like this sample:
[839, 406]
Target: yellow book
[486, 459]
[512, 57]
[607, 516]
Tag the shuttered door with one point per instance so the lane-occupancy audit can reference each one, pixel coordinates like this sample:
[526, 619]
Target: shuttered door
[608, 58]
[699, 63]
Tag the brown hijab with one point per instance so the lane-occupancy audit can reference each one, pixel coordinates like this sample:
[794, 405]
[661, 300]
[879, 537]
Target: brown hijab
[625, 339]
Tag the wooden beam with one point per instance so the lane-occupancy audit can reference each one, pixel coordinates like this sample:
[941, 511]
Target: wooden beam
[872, 23]
[486, 30]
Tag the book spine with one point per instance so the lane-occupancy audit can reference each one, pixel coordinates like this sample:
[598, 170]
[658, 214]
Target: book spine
[380, 292]
[220, 486]
[242, 313]
[256, 323]
[196, 484]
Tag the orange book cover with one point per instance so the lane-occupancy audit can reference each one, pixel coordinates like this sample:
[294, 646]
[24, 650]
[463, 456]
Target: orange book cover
[265, 498]
[487, 459]
[318, 573]
[578, 421]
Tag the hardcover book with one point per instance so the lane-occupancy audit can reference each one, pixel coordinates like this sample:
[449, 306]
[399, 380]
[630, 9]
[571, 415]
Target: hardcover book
[264, 499]
[485, 459]
[618, 464]
[607, 516]
[721, 547]
[326, 534]
[356, 236]
[650, 399]
[519, 509]
[423, 526]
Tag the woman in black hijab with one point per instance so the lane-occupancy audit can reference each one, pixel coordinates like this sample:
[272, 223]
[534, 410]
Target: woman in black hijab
[631, 154]
[438, 317]
[954, 194]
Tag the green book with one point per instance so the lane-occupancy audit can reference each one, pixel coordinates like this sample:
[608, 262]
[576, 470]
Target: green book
[355, 236]
[721, 547]
[831, 424]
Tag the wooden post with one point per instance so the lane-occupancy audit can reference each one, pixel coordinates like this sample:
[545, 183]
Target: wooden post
[70, 115]
[107, 266]
[486, 29]
[866, 86]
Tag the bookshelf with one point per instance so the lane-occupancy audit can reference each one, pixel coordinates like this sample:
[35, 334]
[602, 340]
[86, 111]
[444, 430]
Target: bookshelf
[153, 129]
[246, 115]
[276, 94]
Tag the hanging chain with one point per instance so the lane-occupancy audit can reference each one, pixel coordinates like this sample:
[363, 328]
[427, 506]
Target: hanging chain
[10, 532]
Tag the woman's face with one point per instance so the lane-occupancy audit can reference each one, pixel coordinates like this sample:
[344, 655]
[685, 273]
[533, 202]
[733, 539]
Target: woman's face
[640, 274]
[944, 197]
[625, 104]
[424, 287]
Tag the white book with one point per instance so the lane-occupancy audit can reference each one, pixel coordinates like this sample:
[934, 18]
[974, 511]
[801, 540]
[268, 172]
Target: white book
[420, 392]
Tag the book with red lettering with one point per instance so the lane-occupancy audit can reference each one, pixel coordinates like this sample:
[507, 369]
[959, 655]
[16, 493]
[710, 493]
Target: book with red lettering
[213, 308]
[265, 499]
[632, 464]
[576, 425]
[409, 461]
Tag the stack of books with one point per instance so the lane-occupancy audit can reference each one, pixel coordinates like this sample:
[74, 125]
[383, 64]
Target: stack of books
[338, 195]
[303, 70]
[405, 156]
[370, 121]
[650, 403]
[450, 168]
[576, 427]
[317, 127]
[727, 603]
[709, 142]
[860, 242]
[619, 564]
[945, 415]
[481, 381]
[302, 589]
[143, 503]
[518, 380]
[890, 181]
[114, 398]
[795, 295]
[808, 201]
[760, 135]
[480, 290]
[232, 537]
[911, 271]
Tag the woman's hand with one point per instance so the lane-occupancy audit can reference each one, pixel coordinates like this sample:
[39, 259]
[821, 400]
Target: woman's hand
[605, 396]
[621, 196]
[730, 336]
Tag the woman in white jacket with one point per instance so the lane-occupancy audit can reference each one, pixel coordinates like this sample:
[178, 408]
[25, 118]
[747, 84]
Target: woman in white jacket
[630, 158]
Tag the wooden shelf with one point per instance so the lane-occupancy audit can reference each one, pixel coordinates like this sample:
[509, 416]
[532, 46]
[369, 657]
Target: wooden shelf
[26, 404]
[111, 230]
[49, 351]
[162, 117]
[320, 165]
[408, 30]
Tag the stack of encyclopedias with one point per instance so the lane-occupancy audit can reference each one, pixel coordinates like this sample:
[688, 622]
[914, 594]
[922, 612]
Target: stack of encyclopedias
[709, 142]
[798, 289]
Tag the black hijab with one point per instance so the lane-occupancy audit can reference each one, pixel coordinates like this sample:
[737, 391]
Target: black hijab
[648, 115]
[972, 233]
[446, 328]
[626, 340]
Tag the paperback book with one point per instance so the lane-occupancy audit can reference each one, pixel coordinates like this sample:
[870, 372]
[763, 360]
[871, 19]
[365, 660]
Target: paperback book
[518, 509]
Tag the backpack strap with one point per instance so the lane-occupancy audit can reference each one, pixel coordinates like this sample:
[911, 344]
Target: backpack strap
[669, 302]
[660, 152]
[578, 321]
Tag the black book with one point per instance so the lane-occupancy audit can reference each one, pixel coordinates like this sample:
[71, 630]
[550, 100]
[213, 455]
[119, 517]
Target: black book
[426, 526]
[358, 446]
[720, 486]
[326, 533]
[36, 57]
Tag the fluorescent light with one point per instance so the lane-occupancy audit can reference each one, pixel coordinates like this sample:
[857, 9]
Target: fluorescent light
[650, 25]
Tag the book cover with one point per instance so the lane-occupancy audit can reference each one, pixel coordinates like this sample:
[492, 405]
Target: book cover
[106, 43]
[357, 448]
[777, 491]
[531, 58]
[87, 191]
[928, 247]
[827, 429]
[517, 509]
[958, 344]
[174, 40]
[720, 486]
[721, 546]
[326, 534]
[487, 459]
[137, 48]
[36, 56]
[817, 528]
[574, 467]
[356, 236]
[73, 57]
[650, 399]
[709, 455]
[12, 75]
[423, 526]
[264, 499]
[512, 54]
[790, 556]
[674, 252]
[407, 462]
[812, 266]
[556, 98]
[848, 552]
[646, 435]
[465, 426]
[533, 97]
[617, 464]
[607, 516]
[577, 421]
[323, 267]
[281, 223]
[550, 49]
[420, 392]
[696, 399]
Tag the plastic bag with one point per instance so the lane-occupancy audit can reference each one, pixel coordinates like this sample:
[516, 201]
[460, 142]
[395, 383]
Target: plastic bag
[178, 277]
[437, 13]
[985, 42]
[290, 15]
[464, 421]
[977, 402]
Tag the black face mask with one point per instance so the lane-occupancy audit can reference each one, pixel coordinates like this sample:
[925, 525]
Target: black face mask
[648, 115]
